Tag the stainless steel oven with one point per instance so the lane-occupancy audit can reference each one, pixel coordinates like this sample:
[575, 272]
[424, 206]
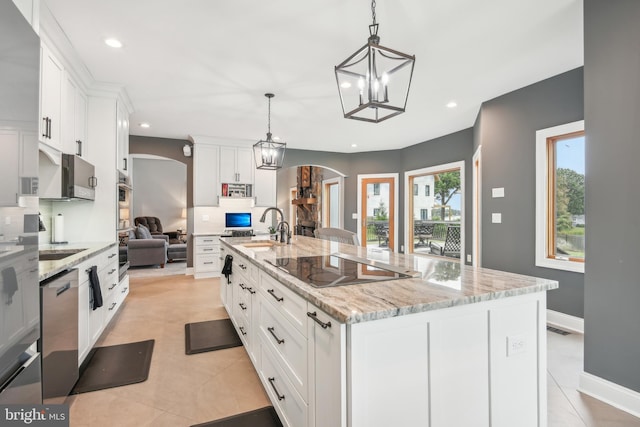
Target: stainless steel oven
[59, 299]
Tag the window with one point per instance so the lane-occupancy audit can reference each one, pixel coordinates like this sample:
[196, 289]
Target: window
[424, 214]
[376, 212]
[376, 189]
[415, 189]
[560, 181]
[427, 190]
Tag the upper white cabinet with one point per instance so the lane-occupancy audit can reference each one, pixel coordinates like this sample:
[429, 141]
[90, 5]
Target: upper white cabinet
[205, 182]
[236, 165]
[265, 187]
[122, 119]
[10, 143]
[74, 119]
[51, 78]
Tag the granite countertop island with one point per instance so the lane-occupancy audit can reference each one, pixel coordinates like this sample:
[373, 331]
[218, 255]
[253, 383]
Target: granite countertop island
[84, 250]
[438, 283]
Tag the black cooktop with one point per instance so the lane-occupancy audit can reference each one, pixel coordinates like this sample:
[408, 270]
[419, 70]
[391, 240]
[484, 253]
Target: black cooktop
[323, 271]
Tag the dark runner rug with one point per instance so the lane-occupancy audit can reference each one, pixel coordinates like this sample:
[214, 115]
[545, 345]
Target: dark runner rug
[210, 335]
[265, 417]
[114, 366]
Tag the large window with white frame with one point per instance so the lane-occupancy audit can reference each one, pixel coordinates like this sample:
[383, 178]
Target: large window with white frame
[560, 185]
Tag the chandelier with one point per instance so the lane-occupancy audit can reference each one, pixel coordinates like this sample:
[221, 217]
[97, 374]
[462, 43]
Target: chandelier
[374, 82]
[268, 153]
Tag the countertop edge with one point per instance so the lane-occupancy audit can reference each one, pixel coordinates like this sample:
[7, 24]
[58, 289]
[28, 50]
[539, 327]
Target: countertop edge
[48, 269]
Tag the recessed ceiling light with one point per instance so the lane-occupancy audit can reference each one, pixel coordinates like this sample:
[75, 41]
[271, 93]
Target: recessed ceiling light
[113, 43]
[452, 104]
[144, 125]
[354, 145]
[345, 85]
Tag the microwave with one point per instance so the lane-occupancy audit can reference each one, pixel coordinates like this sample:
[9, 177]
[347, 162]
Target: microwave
[78, 178]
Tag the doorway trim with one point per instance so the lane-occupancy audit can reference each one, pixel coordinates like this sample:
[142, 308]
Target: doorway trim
[476, 250]
[395, 177]
[339, 180]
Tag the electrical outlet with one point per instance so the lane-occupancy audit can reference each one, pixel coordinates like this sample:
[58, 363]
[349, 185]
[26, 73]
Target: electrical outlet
[468, 257]
[496, 218]
[516, 344]
[497, 192]
[354, 216]
[401, 248]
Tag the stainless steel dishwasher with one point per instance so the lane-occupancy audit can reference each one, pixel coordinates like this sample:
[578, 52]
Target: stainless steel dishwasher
[59, 306]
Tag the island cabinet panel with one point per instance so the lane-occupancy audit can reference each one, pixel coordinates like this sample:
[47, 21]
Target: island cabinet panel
[293, 307]
[327, 369]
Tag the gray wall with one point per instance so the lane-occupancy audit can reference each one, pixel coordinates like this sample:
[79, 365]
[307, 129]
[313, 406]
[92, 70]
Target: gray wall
[159, 187]
[612, 120]
[506, 129]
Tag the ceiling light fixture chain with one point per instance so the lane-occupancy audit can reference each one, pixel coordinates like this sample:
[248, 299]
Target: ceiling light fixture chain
[374, 82]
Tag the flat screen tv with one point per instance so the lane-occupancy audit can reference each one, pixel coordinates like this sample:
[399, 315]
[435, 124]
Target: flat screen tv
[237, 220]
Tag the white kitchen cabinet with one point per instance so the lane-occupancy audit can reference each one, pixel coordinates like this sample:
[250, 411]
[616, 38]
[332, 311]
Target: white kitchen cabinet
[122, 139]
[206, 261]
[74, 118]
[236, 165]
[51, 79]
[10, 143]
[205, 176]
[265, 187]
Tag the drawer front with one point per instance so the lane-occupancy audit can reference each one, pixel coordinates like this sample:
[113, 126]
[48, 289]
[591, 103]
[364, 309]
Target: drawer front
[123, 289]
[292, 306]
[243, 331]
[108, 279]
[289, 346]
[207, 240]
[208, 250]
[207, 263]
[290, 406]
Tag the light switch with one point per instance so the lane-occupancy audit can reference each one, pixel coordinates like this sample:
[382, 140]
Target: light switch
[496, 218]
[354, 216]
[497, 192]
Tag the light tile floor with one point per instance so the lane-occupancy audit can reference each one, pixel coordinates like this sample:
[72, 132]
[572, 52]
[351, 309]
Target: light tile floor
[183, 390]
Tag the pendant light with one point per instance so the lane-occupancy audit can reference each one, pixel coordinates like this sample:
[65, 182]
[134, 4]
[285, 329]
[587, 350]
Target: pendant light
[269, 154]
[374, 81]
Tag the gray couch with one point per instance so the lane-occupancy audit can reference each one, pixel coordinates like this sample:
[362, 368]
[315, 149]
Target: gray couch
[147, 250]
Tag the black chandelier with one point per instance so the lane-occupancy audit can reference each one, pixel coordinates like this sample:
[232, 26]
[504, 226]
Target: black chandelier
[374, 82]
[268, 153]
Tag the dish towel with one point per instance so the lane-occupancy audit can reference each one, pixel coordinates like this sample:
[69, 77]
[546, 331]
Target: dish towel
[226, 270]
[10, 283]
[95, 298]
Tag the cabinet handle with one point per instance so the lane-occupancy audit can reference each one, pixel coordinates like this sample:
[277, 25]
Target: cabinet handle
[271, 329]
[273, 386]
[242, 286]
[251, 291]
[279, 299]
[125, 163]
[113, 270]
[79, 148]
[46, 126]
[208, 262]
[207, 249]
[112, 255]
[124, 290]
[242, 330]
[314, 317]
[113, 286]
[242, 266]
[49, 128]
[242, 306]
[113, 306]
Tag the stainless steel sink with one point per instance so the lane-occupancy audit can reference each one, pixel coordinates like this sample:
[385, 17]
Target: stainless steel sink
[57, 254]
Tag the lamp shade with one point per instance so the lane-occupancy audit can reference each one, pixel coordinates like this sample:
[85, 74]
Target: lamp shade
[374, 81]
[269, 155]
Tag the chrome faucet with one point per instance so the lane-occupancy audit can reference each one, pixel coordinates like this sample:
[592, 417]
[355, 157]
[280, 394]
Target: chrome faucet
[280, 225]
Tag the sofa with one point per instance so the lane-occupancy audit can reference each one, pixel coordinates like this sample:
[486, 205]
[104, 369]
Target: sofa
[154, 225]
[146, 249]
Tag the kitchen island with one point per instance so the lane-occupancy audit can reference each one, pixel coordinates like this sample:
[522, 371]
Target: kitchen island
[387, 339]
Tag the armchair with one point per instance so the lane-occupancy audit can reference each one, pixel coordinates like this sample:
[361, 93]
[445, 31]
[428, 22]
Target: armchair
[148, 250]
[155, 227]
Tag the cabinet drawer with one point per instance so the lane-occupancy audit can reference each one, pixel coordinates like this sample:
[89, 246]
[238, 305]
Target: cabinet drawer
[290, 305]
[243, 330]
[205, 250]
[207, 240]
[290, 406]
[207, 263]
[289, 346]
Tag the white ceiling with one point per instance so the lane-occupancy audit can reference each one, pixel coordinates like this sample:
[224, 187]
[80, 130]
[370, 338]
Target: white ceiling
[201, 67]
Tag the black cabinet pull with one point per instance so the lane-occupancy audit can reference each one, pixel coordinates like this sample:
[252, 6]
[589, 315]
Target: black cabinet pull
[125, 164]
[273, 386]
[251, 291]
[113, 306]
[279, 299]
[314, 316]
[242, 266]
[271, 329]
[242, 286]
[113, 286]
[242, 306]
[46, 126]
[242, 330]
[79, 148]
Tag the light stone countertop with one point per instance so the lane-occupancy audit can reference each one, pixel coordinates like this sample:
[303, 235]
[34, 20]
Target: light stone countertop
[440, 283]
[48, 269]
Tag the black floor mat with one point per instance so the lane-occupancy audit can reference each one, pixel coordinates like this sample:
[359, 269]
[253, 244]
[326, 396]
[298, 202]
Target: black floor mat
[114, 366]
[210, 335]
[265, 417]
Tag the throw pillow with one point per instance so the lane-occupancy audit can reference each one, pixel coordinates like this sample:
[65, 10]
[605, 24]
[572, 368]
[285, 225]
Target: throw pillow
[143, 232]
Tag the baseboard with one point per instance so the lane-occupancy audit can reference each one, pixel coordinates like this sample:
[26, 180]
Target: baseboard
[565, 321]
[615, 395]
[189, 271]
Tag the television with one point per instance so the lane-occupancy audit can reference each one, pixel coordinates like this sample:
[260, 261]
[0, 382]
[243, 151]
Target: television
[237, 220]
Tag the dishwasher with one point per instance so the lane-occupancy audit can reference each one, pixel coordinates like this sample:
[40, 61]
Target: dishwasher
[59, 338]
